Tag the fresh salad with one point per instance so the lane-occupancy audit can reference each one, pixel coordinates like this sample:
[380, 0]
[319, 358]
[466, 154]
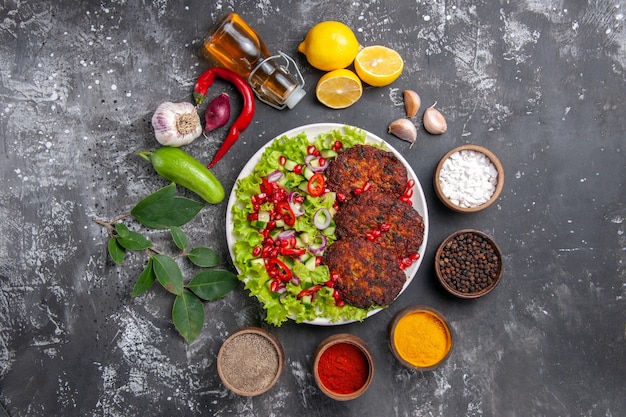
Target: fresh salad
[283, 222]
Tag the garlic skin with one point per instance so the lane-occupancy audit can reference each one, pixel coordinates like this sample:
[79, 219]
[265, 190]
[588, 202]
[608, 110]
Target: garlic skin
[176, 124]
[434, 122]
[403, 129]
[412, 102]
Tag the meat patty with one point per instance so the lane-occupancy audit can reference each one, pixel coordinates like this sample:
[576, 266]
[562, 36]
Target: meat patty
[356, 166]
[401, 227]
[369, 275]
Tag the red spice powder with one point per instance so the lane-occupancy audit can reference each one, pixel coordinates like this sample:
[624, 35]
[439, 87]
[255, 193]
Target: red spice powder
[343, 368]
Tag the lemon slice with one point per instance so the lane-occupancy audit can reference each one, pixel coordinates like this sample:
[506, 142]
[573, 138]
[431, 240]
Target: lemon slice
[378, 65]
[339, 89]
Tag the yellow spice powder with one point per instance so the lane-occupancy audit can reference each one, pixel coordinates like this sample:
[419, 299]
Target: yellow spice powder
[421, 339]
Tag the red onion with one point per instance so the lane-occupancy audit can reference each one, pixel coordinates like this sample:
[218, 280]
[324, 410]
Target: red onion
[297, 208]
[312, 162]
[287, 234]
[322, 218]
[217, 113]
[318, 245]
[274, 176]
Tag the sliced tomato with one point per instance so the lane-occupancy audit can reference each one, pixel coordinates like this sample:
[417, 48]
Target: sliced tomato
[316, 185]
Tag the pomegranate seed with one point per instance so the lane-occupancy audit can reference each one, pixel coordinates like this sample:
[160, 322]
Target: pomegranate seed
[322, 161]
[311, 149]
[336, 295]
[357, 191]
[341, 197]
[297, 169]
[282, 160]
[339, 303]
[257, 251]
[271, 225]
[410, 183]
[337, 146]
[284, 243]
[409, 193]
[376, 233]
[335, 276]
[407, 261]
[330, 283]
[414, 256]
[253, 216]
[268, 241]
[292, 241]
[274, 285]
[367, 186]
[385, 227]
[318, 260]
[370, 237]
[274, 253]
[256, 207]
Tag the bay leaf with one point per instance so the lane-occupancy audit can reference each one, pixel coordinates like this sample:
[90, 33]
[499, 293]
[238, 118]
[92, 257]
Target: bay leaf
[179, 237]
[168, 273]
[116, 251]
[213, 284]
[145, 280]
[188, 315]
[204, 257]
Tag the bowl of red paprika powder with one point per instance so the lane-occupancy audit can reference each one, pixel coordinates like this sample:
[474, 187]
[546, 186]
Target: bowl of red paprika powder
[343, 367]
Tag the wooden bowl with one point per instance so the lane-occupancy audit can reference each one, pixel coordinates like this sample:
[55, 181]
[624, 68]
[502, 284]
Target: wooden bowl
[428, 336]
[458, 281]
[341, 390]
[250, 361]
[498, 188]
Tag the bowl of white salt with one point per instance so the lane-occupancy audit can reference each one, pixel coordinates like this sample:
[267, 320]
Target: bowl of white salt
[469, 178]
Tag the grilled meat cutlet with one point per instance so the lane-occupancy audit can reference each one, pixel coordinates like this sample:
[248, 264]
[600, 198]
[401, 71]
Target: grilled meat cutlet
[400, 226]
[369, 275]
[356, 166]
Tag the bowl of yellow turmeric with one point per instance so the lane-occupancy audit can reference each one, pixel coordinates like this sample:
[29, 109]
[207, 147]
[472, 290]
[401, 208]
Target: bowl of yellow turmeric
[420, 338]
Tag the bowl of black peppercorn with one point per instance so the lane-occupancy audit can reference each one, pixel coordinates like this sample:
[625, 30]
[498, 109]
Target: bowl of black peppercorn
[468, 263]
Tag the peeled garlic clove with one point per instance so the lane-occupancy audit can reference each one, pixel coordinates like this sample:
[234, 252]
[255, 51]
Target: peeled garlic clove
[403, 129]
[176, 124]
[412, 102]
[434, 122]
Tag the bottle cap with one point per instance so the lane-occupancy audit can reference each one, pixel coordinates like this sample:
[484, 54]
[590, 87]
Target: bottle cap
[295, 96]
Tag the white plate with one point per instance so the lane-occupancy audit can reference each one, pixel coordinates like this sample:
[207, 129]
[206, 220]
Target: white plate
[312, 131]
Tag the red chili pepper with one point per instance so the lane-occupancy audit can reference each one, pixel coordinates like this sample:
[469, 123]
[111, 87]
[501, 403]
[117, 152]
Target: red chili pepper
[281, 271]
[292, 251]
[316, 185]
[286, 213]
[309, 291]
[247, 112]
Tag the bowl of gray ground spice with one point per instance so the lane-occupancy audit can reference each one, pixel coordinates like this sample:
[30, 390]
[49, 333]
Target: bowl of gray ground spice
[468, 264]
[469, 178]
[250, 361]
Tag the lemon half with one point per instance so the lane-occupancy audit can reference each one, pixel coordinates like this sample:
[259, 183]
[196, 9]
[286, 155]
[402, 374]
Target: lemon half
[339, 89]
[378, 65]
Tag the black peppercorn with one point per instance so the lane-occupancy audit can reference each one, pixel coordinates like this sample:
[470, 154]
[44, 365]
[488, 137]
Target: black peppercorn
[469, 263]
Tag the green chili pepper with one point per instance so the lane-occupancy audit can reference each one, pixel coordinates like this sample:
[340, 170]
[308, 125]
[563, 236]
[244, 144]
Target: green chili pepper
[176, 165]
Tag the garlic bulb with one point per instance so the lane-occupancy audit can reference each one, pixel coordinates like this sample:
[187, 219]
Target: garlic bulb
[176, 124]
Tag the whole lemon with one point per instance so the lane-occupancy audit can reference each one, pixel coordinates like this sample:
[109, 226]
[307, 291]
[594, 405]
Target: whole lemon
[330, 45]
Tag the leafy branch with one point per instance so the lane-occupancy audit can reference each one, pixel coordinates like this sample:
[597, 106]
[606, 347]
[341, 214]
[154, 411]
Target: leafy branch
[164, 210]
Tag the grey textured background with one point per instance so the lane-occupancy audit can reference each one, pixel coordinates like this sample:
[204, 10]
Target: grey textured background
[540, 83]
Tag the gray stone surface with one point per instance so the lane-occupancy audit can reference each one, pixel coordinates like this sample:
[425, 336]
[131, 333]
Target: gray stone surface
[540, 83]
